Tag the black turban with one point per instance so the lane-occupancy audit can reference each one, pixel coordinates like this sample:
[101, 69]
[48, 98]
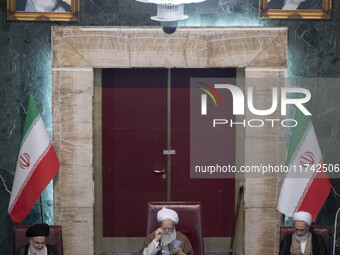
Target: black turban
[38, 230]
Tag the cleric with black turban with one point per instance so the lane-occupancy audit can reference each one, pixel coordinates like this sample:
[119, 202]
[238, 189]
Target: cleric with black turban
[37, 235]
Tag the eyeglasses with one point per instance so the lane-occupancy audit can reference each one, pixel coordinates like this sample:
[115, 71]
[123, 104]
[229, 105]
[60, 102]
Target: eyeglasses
[35, 243]
[170, 230]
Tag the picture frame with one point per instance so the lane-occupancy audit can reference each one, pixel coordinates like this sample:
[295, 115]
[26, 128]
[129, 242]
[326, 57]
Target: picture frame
[68, 10]
[308, 9]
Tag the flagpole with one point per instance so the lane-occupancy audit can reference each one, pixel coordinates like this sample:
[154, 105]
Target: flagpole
[36, 155]
[41, 210]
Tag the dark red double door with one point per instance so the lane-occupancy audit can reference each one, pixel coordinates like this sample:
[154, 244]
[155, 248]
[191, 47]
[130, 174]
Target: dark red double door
[134, 128]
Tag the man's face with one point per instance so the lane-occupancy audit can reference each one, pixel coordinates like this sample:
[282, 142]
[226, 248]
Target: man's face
[301, 228]
[167, 226]
[37, 242]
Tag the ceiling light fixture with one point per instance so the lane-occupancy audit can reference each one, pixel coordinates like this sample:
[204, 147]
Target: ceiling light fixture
[169, 12]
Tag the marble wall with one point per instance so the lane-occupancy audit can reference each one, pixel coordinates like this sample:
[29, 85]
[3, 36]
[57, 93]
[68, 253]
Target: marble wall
[25, 58]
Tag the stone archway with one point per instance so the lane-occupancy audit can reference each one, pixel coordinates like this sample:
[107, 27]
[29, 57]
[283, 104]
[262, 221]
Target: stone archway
[76, 51]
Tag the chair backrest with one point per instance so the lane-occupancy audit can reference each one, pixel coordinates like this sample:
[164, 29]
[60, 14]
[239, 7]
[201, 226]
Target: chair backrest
[190, 221]
[20, 239]
[322, 231]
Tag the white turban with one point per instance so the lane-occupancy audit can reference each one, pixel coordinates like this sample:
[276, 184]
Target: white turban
[303, 216]
[167, 214]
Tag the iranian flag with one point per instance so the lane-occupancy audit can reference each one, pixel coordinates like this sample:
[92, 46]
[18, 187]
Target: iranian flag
[36, 166]
[306, 186]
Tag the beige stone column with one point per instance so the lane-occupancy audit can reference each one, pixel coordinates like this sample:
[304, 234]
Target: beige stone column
[264, 146]
[72, 140]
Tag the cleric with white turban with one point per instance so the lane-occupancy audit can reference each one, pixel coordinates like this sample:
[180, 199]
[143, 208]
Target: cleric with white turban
[302, 241]
[167, 214]
[165, 239]
[303, 216]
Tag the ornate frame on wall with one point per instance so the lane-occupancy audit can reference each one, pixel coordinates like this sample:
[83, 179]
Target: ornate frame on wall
[13, 14]
[324, 13]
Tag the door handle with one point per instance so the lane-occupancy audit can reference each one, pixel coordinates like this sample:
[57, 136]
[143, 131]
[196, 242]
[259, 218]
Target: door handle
[162, 172]
[159, 171]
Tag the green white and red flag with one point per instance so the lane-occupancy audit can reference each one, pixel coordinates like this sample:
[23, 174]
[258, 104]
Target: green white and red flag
[36, 166]
[306, 186]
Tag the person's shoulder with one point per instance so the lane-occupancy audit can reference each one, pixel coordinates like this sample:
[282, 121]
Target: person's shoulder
[288, 237]
[21, 251]
[52, 249]
[287, 240]
[320, 242]
[151, 236]
[179, 234]
[317, 237]
[285, 244]
[310, 4]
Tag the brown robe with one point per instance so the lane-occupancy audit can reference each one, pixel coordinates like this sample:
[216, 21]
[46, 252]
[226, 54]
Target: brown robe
[295, 248]
[185, 245]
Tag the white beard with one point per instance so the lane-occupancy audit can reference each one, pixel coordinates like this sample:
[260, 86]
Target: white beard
[165, 239]
[302, 238]
[34, 251]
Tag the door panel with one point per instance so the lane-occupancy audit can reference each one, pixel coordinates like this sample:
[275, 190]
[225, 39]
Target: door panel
[134, 126]
[217, 195]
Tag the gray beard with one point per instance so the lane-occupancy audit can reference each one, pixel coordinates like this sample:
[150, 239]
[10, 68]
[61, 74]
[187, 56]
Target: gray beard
[165, 239]
[35, 251]
[302, 238]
